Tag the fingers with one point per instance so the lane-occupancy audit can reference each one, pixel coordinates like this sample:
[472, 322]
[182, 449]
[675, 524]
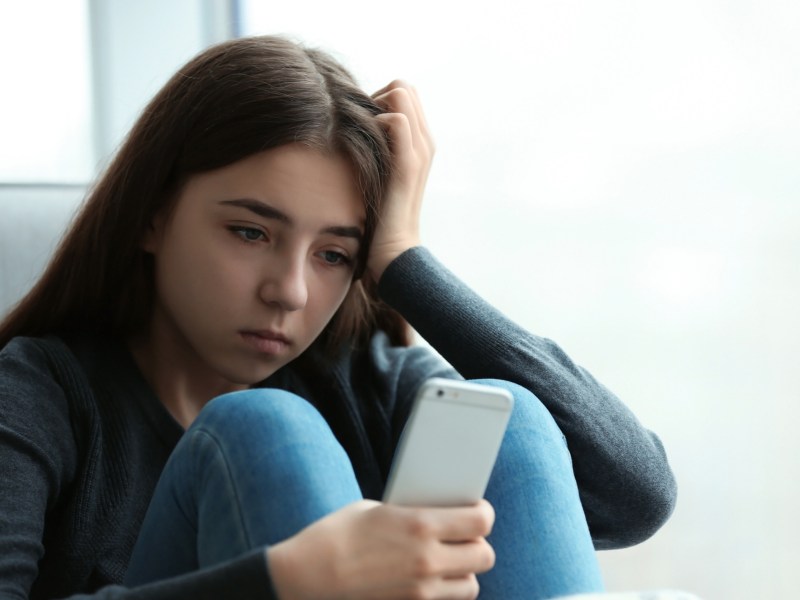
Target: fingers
[401, 136]
[454, 524]
[460, 588]
[383, 97]
[475, 520]
[452, 540]
[458, 560]
[389, 86]
[412, 154]
[373, 550]
[399, 97]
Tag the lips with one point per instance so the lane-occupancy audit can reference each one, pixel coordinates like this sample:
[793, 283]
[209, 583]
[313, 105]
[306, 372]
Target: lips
[266, 341]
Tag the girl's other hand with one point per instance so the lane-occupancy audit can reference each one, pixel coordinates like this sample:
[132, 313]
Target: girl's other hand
[374, 550]
[413, 148]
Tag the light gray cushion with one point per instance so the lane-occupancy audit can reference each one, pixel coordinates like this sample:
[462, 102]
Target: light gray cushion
[32, 220]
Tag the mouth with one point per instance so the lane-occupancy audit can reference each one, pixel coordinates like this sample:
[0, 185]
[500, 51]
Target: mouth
[266, 341]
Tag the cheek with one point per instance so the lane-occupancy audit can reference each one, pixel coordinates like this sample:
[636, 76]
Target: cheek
[198, 279]
[330, 295]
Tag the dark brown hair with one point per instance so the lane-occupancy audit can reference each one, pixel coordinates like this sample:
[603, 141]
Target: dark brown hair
[231, 101]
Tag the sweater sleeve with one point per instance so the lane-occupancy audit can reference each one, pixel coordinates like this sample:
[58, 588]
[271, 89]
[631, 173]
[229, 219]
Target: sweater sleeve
[626, 485]
[243, 578]
[38, 459]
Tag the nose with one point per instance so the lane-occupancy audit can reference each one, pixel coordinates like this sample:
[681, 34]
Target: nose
[285, 283]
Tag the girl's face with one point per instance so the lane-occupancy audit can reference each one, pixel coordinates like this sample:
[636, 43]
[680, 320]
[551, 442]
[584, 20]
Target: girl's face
[253, 262]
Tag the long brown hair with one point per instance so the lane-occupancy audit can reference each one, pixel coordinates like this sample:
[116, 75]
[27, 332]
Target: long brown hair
[231, 101]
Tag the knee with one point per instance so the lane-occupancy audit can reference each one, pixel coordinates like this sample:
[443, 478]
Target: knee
[533, 449]
[528, 414]
[267, 413]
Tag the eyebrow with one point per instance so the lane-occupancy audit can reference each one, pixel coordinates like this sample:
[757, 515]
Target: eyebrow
[268, 212]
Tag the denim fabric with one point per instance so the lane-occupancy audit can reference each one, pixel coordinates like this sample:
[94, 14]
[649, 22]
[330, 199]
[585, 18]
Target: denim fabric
[540, 535]
[258, 466]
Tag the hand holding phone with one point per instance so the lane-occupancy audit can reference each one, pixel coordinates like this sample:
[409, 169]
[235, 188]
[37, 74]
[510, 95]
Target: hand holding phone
[449, 445]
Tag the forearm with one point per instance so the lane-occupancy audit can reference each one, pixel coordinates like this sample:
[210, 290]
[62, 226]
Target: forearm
[626, 485]
[244, 578]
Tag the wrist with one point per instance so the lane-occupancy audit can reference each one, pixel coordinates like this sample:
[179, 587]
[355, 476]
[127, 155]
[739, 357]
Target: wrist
[283, 571]
[382, 256]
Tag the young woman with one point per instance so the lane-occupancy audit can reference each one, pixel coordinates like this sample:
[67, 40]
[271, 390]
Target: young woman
[202, 395]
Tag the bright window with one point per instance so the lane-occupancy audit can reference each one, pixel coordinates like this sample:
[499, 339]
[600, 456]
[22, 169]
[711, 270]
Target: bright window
[45, 106]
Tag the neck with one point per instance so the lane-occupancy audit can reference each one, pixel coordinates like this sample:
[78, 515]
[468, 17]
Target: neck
[179, 380]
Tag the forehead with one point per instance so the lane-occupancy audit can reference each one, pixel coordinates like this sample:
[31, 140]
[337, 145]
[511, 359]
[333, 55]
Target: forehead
[293, 177]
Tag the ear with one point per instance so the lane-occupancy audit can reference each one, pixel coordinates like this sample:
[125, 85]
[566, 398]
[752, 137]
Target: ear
[151, 240]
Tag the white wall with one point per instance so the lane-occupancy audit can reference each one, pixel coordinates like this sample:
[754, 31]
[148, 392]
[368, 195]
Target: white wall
[45, 92]
[76, 74]
[623, 177]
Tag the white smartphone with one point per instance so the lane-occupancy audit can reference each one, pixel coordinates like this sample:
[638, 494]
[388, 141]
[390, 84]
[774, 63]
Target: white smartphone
[449, 445]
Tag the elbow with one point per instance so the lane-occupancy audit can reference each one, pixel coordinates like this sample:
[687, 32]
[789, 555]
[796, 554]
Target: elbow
[637, 515]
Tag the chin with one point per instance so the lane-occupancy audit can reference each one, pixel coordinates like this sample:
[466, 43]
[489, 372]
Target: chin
[252, 374]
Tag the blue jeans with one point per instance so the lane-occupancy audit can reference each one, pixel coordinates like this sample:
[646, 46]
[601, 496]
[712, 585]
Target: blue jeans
[258, 466]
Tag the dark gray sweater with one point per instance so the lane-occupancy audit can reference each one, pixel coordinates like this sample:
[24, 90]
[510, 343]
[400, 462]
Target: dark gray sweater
[83, 439]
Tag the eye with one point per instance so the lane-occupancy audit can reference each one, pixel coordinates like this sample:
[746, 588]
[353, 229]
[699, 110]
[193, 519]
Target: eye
[248, 234]
[334, 258]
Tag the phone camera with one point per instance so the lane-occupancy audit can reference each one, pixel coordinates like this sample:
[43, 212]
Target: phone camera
[440, 393]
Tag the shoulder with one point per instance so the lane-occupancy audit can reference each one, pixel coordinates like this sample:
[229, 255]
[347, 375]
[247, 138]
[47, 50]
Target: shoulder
[34, 407]
[27, 367]
[22, 352]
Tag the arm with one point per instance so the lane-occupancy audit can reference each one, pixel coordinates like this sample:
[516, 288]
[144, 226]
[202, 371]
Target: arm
[244, 578]
[626, 485]
[39, 460]
[627, 488]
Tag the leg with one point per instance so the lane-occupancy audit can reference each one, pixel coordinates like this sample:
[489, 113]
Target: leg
[540, 536]
[253, 469]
